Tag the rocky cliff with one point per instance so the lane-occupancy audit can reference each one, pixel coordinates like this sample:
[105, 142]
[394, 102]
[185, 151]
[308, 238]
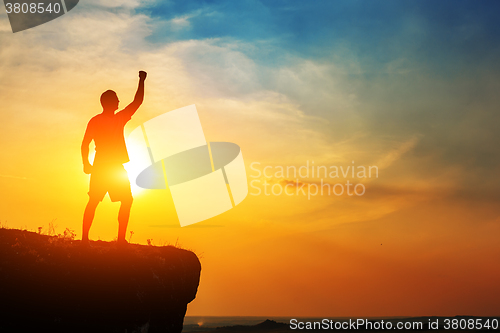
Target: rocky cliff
[50, 283]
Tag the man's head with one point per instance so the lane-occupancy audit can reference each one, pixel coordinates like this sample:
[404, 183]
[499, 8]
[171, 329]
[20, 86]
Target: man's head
[109, 100]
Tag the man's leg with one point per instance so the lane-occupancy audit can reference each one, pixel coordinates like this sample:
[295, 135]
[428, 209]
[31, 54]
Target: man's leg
[88, 217]
[123, 217]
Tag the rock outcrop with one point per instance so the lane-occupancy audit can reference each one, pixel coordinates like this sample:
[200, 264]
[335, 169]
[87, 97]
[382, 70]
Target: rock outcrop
[55, 284]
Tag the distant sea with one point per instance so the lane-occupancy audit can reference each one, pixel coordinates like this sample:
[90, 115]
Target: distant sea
[203, 323]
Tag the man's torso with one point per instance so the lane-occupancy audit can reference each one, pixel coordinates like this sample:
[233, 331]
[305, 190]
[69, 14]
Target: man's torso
[107, 132]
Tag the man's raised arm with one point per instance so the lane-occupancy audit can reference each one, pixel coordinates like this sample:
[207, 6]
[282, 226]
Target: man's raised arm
[139, 95]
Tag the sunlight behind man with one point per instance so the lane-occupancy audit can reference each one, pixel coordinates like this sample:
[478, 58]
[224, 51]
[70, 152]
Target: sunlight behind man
[141, 162]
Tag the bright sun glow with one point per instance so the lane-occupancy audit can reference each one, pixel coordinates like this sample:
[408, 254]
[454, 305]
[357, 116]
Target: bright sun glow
[135, 167]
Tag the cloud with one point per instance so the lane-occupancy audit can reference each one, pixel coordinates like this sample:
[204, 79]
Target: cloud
[283, 98]
[181, 22]
[396, 154]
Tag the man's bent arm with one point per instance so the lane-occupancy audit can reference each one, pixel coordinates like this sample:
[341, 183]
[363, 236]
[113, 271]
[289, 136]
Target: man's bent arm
[85, 153]
[139, 95]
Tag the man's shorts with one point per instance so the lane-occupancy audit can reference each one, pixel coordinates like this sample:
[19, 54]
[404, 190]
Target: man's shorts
[110, 179]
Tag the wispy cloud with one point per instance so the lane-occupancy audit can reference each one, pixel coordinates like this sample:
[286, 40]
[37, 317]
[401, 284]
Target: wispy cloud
[395, 154]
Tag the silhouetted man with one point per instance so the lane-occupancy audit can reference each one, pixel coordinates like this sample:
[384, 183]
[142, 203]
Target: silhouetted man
[107, 173]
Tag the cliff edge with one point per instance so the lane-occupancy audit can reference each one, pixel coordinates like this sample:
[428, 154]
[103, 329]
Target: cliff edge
[50, 283]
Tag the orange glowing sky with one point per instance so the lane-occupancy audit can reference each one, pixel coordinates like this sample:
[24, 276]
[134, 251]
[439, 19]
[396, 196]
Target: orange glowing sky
[289, 90]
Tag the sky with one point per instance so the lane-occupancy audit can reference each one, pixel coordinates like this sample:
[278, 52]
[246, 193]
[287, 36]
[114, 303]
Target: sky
[407, 87]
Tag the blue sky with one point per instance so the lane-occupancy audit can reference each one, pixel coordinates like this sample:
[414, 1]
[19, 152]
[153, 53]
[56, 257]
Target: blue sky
[422, 68]
[368, 74]
[443, 34]
[373, 74]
